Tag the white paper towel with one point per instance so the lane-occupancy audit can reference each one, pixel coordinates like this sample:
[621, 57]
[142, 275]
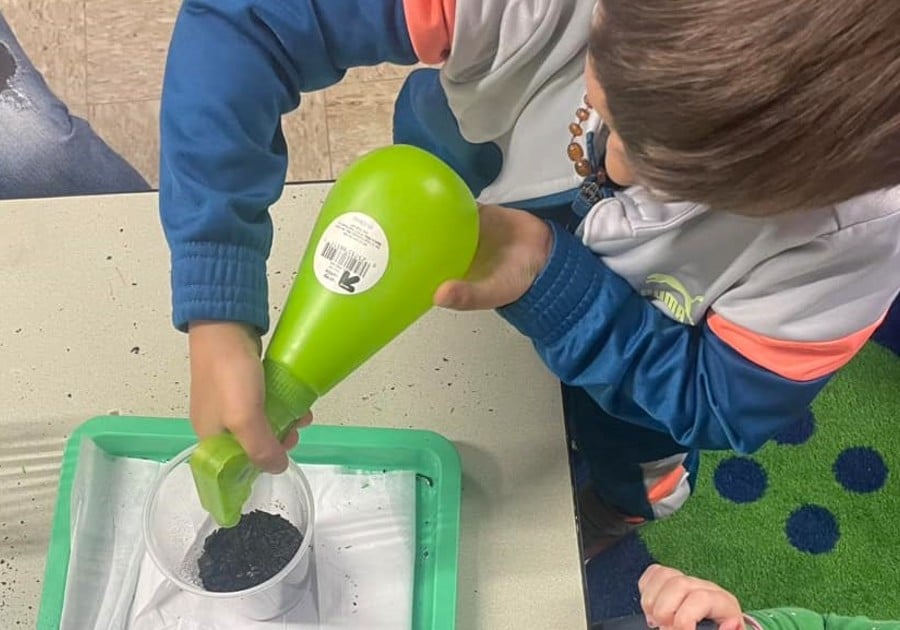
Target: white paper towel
[364, 540]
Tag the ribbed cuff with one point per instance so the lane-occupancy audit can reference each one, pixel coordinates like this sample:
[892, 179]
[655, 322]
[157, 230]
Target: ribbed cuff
[219, 282]
[562, 293]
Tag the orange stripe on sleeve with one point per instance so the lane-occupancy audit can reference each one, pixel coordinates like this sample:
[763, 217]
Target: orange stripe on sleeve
[795, 360]
[666, 486]
[430, 24]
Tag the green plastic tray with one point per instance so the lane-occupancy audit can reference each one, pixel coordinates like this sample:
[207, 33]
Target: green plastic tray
[433, 458]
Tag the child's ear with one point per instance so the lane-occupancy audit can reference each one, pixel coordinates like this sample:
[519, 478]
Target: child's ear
[618, 167]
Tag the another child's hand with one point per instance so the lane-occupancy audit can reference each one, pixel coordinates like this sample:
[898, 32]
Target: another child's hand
[674, 601]
[513, 248]
[228, 391]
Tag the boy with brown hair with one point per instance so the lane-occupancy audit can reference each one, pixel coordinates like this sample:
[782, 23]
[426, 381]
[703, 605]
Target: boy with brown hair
[714, 211]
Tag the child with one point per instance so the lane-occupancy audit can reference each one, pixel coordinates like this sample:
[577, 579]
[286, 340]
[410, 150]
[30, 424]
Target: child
[736, 212]
[672, 600]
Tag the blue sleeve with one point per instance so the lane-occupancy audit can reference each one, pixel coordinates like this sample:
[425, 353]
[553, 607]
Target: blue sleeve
[234, 67]
[594, 331]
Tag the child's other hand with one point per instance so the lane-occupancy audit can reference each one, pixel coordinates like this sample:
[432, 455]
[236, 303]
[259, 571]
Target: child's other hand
[228, 391]
[674, 601]
[513, 249]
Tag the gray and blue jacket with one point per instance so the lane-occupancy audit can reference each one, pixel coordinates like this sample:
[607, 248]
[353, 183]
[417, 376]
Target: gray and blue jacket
[715, 328]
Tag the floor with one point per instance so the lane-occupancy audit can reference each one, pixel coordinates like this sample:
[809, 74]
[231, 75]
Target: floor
[105, 59]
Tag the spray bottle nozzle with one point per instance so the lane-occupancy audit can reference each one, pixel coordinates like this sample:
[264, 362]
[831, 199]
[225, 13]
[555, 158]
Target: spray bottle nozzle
[222, 471]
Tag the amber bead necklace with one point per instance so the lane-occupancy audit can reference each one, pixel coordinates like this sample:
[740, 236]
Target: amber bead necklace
[575, 151]
[589, 163]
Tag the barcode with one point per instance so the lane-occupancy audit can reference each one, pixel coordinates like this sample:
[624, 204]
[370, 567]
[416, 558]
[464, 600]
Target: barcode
[346, 259]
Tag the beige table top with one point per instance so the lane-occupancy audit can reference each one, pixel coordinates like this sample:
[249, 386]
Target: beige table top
[85, 331]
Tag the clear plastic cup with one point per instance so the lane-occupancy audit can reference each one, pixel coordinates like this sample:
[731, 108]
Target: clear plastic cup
[176, 526]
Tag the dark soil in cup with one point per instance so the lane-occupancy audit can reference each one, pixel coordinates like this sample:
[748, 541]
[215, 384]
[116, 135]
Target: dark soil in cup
[240, 557]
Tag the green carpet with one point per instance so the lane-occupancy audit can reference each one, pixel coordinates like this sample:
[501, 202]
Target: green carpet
[812, 521]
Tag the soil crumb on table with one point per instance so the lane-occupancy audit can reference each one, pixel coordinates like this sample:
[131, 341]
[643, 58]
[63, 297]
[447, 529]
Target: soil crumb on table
[240, 557]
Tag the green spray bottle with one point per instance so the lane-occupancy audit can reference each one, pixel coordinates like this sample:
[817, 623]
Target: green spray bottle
[395, 225]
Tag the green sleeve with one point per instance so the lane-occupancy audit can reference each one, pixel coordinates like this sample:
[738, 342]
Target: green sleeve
[799, 619]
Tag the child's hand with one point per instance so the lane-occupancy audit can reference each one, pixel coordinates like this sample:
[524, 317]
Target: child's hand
[672, 600]
[228, 391]
[513, 248]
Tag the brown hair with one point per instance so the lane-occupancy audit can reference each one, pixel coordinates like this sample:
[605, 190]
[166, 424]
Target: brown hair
[756, 107]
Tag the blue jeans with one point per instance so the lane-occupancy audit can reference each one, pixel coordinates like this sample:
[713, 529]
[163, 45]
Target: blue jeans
[44, 151]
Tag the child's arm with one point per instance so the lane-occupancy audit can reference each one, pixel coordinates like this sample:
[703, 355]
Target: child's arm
[234, 67]
[673, 601]
[595, 331]
[699, 385]
[801, 619]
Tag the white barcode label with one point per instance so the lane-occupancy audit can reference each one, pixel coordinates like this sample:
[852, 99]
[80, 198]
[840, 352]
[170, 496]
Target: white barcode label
[352, 254]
